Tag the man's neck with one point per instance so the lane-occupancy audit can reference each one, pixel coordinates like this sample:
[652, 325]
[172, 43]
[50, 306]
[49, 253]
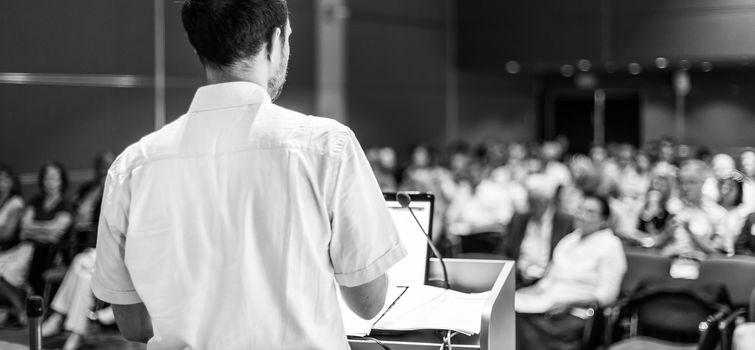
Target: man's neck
[242, 71]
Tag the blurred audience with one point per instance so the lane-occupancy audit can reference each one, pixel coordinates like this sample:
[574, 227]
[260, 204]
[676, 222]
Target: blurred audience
[74, 300]
[530, 202]
[587, 269]
[423, 174]
[14, 257]
[663, 200]
[730, 189]
[695, 229]
[87, 203]
[532, 235]
[747, 166]
[46, 221]
[745, 243]
[479, 211]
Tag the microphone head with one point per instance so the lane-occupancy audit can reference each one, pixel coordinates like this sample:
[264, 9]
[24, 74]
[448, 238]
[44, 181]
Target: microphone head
[34, 306]
[404, 199]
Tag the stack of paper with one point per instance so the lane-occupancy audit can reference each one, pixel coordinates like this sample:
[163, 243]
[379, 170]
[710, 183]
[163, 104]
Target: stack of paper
[426, 307]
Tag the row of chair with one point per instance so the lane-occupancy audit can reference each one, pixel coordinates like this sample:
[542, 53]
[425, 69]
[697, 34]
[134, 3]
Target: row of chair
[655, 311]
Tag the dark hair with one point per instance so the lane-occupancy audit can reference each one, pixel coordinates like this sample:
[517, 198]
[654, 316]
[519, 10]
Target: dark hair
[43, 172]
[605, 209]
[225, 31]
[15, 189]
[738, 179]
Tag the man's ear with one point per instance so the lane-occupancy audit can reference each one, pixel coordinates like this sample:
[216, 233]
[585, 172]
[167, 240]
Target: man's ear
[275, 37]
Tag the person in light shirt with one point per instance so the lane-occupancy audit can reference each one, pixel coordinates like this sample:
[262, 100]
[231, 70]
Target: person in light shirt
[747, 165]
[531, 236]
[587, 268]
[234, 226]
[478, 212]
[696, 228]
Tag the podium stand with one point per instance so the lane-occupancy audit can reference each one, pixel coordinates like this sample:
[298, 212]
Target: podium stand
[497, 331]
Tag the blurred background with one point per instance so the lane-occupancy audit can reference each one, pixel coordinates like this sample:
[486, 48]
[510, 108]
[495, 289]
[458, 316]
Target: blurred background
[79, 77]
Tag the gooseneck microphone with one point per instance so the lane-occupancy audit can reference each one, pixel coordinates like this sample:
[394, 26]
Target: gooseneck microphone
[404, 199]
[34, 311]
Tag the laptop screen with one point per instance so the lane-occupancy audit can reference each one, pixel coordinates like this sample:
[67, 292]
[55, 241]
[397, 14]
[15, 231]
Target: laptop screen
[412, 270]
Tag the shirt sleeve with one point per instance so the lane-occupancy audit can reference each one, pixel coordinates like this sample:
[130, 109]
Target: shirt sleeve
[611, 271]
[112, 282]
[364, 241]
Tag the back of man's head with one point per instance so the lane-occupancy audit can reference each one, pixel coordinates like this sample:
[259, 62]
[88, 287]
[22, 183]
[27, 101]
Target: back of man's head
[223, 32]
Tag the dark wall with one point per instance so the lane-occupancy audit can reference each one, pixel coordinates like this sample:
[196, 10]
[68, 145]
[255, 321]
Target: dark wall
[547, 33]
[86, 36]
[493, 32]
[543, 36]
[720, 110]
[497, 106]
[396, 72]
[39, 122]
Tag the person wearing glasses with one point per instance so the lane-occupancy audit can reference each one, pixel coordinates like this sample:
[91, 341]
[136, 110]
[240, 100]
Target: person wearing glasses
[587, 269]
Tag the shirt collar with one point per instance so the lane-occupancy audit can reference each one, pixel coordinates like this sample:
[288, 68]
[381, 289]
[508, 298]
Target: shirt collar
[225, 95]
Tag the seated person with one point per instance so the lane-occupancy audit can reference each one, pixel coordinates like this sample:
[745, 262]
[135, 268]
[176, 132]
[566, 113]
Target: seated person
[654, 215]
[74, 301]
[745, 244]
[588, 267]
[730, 198]
[13, 267]
[531, 236]
[46, 221]
[479, 212]
[87, 204]
[694, 231]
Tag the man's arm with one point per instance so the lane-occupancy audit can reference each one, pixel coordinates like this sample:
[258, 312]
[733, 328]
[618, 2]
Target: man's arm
[611, 270]
[364, 242]
[133, 322]
[366, 300]
[111, 282]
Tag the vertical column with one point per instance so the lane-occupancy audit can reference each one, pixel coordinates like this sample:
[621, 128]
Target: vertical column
[682, 87]
[599, 117]
[159, 63]
[452, 76]
[330, 74]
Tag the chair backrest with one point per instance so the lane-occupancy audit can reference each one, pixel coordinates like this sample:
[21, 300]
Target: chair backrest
[671, 316]
[737, 273]
[642, 266]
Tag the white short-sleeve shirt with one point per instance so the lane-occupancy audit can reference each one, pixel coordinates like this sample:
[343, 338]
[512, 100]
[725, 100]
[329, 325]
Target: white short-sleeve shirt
[235, 223]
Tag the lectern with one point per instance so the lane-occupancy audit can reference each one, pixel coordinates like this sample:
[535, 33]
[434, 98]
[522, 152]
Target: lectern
[497, 330]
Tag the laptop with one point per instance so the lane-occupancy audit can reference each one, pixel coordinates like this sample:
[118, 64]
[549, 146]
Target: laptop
[412, 270]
